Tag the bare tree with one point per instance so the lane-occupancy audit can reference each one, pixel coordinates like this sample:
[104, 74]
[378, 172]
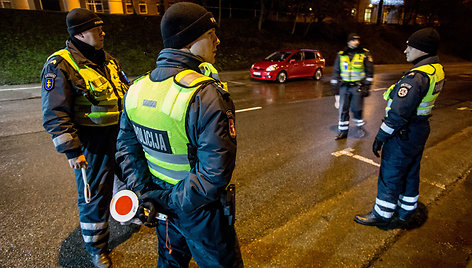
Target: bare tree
[261, 16]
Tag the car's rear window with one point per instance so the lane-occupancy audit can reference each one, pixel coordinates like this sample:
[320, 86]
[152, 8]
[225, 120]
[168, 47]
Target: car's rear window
[309, 55]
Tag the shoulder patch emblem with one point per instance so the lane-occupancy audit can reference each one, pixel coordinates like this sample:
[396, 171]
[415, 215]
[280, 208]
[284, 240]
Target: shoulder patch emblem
[402, 91]
[231, 125]
[49, 80]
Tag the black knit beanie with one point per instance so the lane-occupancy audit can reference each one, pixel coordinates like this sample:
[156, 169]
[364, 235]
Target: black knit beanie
[183, 23]
[80, 19]
[426, 40]
[353, 36]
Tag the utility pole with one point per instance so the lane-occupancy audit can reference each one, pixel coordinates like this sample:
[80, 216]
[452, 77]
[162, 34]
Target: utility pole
[379, 12]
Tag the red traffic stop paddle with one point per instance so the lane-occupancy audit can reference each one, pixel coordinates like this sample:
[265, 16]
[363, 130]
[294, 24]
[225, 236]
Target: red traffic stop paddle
[124, 205]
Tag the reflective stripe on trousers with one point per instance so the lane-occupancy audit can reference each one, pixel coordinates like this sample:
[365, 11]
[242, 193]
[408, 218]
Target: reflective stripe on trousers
[99, 147]
[350, 99]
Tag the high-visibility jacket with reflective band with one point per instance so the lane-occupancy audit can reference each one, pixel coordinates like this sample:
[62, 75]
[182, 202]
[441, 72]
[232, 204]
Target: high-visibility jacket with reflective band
[107, 94]
[352, 70]
[157, 111]
[436, 76]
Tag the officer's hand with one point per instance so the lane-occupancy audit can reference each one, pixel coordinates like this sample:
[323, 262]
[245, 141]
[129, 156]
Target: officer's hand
[376, 147]
[365, 90]
[147, 213]
[336, 101]
[78, 162]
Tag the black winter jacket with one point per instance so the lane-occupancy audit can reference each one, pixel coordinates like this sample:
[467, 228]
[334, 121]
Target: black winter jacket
[207, 124]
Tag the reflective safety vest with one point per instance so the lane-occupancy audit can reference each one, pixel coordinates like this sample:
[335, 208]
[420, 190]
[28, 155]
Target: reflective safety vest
[352, 70]
[157, 111]
[102, 104]
[436, 76]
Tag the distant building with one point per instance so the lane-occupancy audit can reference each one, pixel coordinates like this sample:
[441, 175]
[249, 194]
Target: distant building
[392, 11]
[143, 7]
[365, 11]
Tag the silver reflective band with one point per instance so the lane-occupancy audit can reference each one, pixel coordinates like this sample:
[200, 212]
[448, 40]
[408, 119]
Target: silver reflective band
[343, 127]
[423, 111]
[93, 226]
[370, 79]
[94, 238]
[359, 122]
[384, 214]
[334, 81]
[180, 159]
[176, 175]
[409, 199]
[61, 139]
[386, 128]
[385, 203]
[426, 104]
[408, 207]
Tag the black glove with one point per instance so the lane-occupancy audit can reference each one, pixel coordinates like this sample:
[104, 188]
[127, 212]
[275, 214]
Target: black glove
[377, 146]
[150, 220]
[364, 89]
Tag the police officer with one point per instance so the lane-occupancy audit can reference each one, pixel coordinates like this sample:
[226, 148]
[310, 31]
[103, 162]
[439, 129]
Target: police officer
[82, 91]
[405, 129]
[353, 73]
[177, 144]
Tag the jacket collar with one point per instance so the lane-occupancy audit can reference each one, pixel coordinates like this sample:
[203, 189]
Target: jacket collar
[172, 61]
[80, 59]
[428, 60]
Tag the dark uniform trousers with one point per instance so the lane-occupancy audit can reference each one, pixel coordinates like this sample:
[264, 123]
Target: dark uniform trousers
[99, 147]
[203, 234]
[350, 98]
[399, 175]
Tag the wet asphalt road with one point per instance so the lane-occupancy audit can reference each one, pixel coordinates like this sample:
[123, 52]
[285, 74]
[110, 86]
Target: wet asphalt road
[296, 196]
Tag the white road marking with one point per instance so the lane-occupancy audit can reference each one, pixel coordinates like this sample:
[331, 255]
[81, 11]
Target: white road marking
[348, 152]
[237, 83]
[436, 184]
[248, 109]
[378, 89]
[18, 88]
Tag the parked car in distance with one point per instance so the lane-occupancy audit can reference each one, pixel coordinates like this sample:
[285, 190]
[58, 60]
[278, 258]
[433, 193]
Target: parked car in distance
[286, 64]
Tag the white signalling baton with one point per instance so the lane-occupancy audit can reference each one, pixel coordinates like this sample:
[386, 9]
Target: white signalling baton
[87, 193]
[125, 204]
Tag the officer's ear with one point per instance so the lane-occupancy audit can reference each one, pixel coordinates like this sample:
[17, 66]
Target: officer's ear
[79, 36]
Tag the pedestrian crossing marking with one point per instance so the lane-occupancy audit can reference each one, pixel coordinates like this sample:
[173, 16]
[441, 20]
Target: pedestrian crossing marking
[348, 152]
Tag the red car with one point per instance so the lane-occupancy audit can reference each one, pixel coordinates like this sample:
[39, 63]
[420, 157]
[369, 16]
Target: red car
[285, 64]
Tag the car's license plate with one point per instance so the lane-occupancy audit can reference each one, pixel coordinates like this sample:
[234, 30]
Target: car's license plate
[256, 73]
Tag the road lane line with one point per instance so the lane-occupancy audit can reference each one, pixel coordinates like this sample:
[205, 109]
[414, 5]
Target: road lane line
[248, 109]
[378, 89]
[348, 152]
[433, 183]
[18, 88]
[237, 83]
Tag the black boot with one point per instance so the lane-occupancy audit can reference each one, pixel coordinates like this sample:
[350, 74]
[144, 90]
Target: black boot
[360, 132]
[341, 135]
[370, 219]
[101, 260]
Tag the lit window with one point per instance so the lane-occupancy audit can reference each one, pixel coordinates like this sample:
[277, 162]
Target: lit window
[5, 4]
[142, 8]
[95, 5]
[367, 15]
[129, 8]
